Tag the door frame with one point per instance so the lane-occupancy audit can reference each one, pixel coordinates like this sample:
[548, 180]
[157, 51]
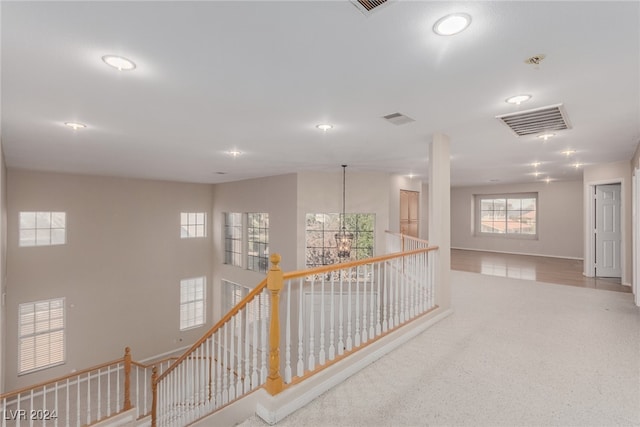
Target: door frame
[590, 226]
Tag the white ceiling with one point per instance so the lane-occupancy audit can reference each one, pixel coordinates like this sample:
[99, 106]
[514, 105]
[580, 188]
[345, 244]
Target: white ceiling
[258, 76]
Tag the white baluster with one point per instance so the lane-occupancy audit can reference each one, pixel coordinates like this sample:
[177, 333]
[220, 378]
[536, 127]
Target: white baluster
[118, 389]
[287, 338]
[78, 402]
[17, 409]
[332, 322]
[219, 371]
[371, 282]
[300, 367]
[401, 289]
[390, 277]
[225, 365]
[209, 373]
[30, 408]
[357, 339]
[99, 415]
[341, 317]
[256, 325]
[4, 411]
[378, 301]
[396, 307]
[68, 400]
[365, 283]
[312, 315]
[56, 408]
[321, 355]
[239, 373]
[88, 398]
[264, 345]
[349, 339]
[247, 349]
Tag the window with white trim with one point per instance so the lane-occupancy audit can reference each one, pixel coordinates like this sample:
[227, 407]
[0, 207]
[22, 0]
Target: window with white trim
[43, 228]
[193, 224]
[192, 303]
[320, 232]
[233, 239]
[41, 335]
[258, 242]
[511, 215]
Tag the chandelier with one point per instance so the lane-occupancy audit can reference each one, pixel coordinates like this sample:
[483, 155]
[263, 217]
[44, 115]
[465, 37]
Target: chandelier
[343, 238]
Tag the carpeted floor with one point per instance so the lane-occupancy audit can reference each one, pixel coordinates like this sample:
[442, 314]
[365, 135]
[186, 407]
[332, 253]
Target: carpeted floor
[514, 353]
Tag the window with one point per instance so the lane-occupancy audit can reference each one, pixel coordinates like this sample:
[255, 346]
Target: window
[193, 224]
[508, 215]
[192, 302]
[320, 237]
[42, 228]
[233, 239]
[41, 335]
[258, 241]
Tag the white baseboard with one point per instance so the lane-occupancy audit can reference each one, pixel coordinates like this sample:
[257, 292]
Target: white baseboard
[518, 253]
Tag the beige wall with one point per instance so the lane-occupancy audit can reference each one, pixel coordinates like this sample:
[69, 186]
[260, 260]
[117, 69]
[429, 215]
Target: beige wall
[607, 174]
[274, 195]
[560, 220]
[119, 271]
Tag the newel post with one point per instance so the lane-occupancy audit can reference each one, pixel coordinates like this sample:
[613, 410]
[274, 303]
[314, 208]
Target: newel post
[127, 379]
[154, 394]
[274, 284]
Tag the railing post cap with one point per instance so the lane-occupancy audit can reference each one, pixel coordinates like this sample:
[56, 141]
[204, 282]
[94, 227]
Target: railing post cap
[275, 259]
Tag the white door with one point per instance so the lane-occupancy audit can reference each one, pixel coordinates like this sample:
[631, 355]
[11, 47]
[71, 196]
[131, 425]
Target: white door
[608, 233]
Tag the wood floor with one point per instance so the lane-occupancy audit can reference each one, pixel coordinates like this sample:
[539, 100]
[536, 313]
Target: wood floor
[543, 269]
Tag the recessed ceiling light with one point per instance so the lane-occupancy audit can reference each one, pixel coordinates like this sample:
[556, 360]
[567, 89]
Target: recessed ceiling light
[568, 152]
[119, 63]
[75, 125]
[452, 24]
[548, 180]
[537, 173]
[324, 127]
[517, 99]
[535, 164]
[577, 165]
[234, 153]
[546, 136]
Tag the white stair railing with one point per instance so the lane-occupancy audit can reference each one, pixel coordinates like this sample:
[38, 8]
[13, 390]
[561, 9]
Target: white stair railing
[345, 307]
[75, 400]
[224, 365]
[329, 313]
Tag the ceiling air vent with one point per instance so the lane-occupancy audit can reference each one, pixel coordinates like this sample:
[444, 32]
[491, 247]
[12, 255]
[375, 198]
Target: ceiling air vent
[368, 6]
[537, 120]
[398, 119]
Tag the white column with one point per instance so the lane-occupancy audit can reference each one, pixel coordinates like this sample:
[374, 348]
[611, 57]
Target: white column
[440, 215]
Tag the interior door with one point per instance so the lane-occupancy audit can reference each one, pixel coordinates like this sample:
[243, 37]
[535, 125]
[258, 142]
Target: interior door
[409, 212]
[608, 231]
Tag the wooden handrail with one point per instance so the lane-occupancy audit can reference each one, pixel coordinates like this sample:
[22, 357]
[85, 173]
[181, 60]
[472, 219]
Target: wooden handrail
[257, 290]
[350, 264]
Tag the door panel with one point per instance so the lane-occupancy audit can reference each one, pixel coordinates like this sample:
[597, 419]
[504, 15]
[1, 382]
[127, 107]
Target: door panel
[608, 231]
[409, 212]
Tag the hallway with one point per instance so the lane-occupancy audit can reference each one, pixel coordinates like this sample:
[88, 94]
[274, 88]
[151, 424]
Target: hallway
[543, 269]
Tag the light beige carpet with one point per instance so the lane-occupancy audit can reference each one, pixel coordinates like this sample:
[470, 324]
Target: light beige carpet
[514, 353]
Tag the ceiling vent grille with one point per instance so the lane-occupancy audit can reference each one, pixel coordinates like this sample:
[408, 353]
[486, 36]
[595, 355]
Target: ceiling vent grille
[398, 119]
[538, 120]
[368, 6]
